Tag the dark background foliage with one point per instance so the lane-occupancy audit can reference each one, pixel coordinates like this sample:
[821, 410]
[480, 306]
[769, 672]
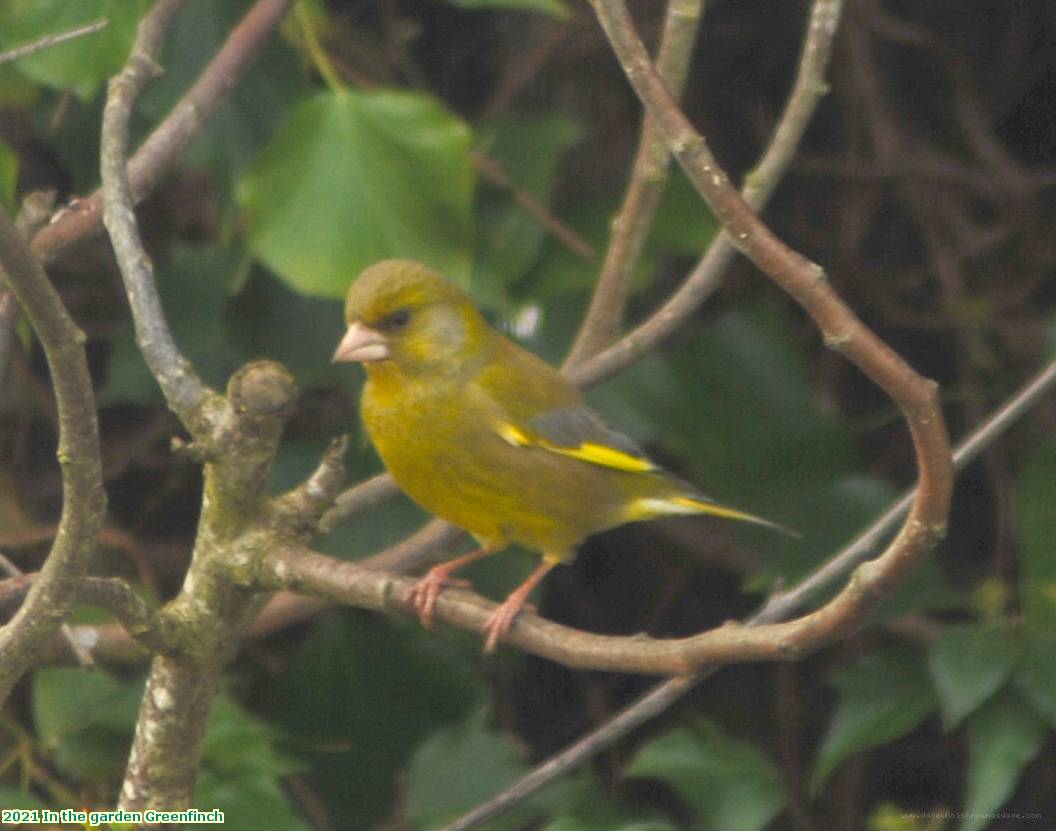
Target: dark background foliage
[925, 186]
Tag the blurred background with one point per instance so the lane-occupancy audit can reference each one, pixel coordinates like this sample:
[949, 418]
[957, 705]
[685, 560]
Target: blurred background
[421, 128]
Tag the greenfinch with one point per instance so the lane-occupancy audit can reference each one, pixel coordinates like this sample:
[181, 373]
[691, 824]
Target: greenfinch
[483, 433]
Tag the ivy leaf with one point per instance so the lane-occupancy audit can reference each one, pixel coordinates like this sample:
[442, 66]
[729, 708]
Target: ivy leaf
[439, 789]
[882, 697]
[353, 178]
[1036, 494]
[728, 783]
[969, 664]
[1035, 674]
[1003, 737]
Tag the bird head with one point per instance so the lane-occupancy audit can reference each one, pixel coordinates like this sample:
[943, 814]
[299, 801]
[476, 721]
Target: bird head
[404, 316]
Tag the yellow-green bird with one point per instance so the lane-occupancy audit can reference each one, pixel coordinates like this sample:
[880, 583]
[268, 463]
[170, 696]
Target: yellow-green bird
[483, 433]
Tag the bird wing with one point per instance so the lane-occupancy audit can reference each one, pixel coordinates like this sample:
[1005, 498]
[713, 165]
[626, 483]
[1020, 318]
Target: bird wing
[577, 432]
[535, 406]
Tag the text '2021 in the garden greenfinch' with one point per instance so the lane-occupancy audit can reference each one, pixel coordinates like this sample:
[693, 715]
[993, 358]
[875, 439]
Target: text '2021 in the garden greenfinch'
[483, 433]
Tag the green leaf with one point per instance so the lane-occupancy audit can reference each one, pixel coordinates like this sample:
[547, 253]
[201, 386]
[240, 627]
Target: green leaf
[15, 798]
[729, 784]
[354, 178]
[1003, 737]
[465, 764]
[250, 113]
[88, 741]
[8, 176]
[968, 664]
[1035, 674]
[596, 810]
[1036, 495]
[83, 64]
[881, 698]
[242, 771]
[361, 695]
[554, 8]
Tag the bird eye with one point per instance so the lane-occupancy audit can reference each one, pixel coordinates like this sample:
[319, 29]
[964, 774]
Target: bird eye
[397, 320]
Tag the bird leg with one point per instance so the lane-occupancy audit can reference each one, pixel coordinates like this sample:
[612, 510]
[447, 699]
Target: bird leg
[422, 595]
[502, 618]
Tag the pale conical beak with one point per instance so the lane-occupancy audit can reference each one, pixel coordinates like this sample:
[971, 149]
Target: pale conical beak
[361, 344]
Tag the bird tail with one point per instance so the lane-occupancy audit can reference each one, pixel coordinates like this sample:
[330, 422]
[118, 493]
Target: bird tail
[652, 507]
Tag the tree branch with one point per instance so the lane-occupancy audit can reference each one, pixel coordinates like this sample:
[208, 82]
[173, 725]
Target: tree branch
[84, 503]
[236, 435]
[181, 386]
[648, 178]
[109, 593]
[805, 282]
[168, 140]
[48, 41]
[807, 91]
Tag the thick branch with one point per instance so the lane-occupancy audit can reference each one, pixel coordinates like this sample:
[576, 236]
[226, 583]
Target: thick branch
[236, 435]
[84, 502]
[208, 618]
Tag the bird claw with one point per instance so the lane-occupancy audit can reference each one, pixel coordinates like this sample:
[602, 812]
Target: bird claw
[500, 621]
[423, 594]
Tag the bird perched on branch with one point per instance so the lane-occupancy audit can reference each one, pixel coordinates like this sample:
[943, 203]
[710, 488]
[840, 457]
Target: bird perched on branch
[486, 435]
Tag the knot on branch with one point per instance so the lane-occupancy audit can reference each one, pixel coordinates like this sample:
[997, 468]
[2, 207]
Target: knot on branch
[262, 389]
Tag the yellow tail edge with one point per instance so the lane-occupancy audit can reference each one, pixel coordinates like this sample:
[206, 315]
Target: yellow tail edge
[647, 508]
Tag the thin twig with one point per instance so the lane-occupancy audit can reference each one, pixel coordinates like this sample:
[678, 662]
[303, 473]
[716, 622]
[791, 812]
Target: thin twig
[493, 171]
[360, 497]
[179, 383]
[168, 140]
[109, 593]
[633, 221]
[782, 604]
[48, 41]
[31, 216]
[807, 91]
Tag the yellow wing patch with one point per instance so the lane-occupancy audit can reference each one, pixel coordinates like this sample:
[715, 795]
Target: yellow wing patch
[592, 452]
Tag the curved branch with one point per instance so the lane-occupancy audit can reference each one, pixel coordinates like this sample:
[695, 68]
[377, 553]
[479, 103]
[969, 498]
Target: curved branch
[181, 386]
[805, 282]
[51, 597]
[137, 619]
[760, 182]
[295, 568]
